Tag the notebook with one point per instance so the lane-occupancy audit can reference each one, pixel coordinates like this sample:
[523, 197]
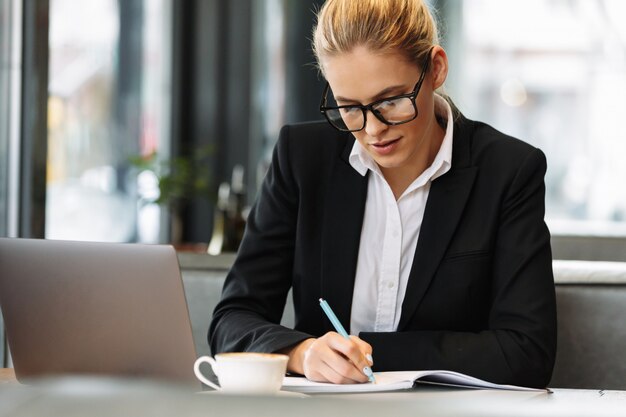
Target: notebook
[79, 308]
[397, 380]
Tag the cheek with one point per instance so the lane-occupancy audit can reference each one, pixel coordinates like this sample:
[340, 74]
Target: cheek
[416, 127]
[425, 114]
[360, 137]
[411, 129]
[425, 106]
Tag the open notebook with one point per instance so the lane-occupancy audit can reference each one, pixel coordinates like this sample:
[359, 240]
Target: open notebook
[397, 380]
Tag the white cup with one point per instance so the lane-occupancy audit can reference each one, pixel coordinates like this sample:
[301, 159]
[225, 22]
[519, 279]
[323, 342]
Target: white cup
[245, 372]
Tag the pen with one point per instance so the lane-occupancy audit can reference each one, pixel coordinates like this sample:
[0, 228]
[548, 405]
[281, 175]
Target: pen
[337, 325]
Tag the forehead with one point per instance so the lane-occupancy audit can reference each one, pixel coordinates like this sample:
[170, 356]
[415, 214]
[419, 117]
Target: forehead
[361, 73]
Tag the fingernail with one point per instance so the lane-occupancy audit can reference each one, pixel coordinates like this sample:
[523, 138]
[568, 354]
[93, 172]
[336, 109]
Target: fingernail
[370, 359]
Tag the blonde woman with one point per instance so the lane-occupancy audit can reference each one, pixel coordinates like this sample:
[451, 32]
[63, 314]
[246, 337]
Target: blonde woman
[422, 229]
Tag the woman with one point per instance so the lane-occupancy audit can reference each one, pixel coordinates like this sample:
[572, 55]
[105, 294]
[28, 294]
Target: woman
[422, 229]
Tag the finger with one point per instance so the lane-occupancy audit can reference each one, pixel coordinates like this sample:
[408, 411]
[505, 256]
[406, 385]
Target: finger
[320, 362]
[365, 348]
[326, 373]
[323, 356]
[333, 354]
[356, 351]
[352, 352]
[344, 371]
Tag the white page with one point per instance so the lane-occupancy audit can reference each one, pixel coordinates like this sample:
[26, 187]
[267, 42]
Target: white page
[396, 380]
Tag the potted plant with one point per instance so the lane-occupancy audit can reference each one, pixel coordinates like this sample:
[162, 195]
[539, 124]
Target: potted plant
[180, 179]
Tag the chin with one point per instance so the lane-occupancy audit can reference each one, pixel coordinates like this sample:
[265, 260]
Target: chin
[388, 163]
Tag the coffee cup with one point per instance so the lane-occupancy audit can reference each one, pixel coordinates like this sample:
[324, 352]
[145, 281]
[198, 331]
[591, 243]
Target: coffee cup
[245, 372]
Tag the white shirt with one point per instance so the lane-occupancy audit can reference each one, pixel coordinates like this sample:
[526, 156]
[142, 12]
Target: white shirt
[389, 236]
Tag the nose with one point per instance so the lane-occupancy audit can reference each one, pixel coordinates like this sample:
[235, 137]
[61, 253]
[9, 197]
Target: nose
[373, 126]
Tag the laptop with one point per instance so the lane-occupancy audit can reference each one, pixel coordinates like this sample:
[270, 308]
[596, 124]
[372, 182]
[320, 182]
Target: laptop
[95, 309]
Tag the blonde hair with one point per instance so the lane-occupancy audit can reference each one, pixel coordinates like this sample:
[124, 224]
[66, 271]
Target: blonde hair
[404, 26]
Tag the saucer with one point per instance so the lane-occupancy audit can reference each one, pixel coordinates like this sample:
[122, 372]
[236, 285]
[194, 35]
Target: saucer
[291, 394]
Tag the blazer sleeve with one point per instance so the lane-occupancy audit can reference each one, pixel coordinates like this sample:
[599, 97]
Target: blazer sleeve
[519, 345]
[254, 294]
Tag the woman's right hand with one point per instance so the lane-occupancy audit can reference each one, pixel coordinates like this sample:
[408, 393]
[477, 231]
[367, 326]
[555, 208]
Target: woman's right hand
[331, 358]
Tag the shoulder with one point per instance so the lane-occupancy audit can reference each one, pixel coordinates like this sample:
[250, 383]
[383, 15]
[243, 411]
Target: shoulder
[496, 151]
[312, 135]
[312, 144]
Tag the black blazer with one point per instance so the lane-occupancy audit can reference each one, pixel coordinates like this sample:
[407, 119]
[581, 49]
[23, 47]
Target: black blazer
[480, 297]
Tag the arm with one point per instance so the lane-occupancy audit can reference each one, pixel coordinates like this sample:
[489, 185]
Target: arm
[519, 343]
[253, 298]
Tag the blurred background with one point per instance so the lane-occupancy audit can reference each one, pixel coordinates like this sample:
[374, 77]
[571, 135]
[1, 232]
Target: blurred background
[147, 120]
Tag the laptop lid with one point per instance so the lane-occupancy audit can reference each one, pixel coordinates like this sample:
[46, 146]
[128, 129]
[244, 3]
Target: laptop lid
[95, 309]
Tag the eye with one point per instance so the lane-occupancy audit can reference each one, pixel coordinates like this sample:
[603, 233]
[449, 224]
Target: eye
[386, 105]
[349, 111]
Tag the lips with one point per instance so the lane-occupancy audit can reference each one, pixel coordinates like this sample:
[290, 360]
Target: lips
[384, 144]
[386, 147]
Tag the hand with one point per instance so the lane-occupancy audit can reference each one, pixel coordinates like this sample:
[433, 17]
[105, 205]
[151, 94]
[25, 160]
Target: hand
[331, 358]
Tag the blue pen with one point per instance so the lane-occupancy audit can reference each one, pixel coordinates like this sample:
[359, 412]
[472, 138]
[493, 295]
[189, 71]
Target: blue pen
[337, 325]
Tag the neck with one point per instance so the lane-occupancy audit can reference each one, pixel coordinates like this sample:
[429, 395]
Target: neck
[399, 178]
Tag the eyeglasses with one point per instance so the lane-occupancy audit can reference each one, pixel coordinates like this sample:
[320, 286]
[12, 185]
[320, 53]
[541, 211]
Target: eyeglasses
[392, 111]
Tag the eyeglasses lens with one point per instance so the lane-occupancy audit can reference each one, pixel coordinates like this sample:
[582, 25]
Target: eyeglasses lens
[395, 111]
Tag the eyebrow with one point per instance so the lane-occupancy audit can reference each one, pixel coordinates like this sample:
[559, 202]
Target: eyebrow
[381, 94]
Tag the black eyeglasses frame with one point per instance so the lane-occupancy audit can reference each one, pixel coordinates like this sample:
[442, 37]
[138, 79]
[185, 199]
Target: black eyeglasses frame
[364, 108]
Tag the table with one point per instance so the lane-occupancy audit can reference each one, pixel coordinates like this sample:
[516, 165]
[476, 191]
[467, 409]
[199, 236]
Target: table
[69, 397]
[7, 375]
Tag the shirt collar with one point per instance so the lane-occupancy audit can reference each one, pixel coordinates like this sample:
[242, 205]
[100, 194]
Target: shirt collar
[361, 161]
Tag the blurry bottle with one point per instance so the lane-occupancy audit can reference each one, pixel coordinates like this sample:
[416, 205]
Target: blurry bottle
[230, 217]
[219, 220]
[237, 207]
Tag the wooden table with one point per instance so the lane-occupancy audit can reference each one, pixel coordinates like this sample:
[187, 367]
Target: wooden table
[7, 375]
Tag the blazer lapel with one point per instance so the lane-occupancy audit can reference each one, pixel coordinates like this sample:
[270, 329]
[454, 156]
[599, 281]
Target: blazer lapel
[341, 236]
[444, 208]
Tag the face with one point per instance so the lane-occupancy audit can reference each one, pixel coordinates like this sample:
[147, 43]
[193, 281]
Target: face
[361, 76]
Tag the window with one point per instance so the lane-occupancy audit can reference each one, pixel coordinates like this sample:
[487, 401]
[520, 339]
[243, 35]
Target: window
[4, 105]
[109, 95]
[553, 73]
[10, 67]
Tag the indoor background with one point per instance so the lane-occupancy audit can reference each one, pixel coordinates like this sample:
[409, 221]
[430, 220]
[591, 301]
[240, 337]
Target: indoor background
[88, 89]
[154, 120]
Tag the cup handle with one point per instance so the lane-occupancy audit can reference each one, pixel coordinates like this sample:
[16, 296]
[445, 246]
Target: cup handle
[200, 375]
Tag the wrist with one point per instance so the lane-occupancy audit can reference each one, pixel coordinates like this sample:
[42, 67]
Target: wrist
[296, 356]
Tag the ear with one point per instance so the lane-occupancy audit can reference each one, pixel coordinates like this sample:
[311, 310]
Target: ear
[439, 67]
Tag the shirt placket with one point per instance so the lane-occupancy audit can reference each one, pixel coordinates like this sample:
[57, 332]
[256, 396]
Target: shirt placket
[389, 276]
